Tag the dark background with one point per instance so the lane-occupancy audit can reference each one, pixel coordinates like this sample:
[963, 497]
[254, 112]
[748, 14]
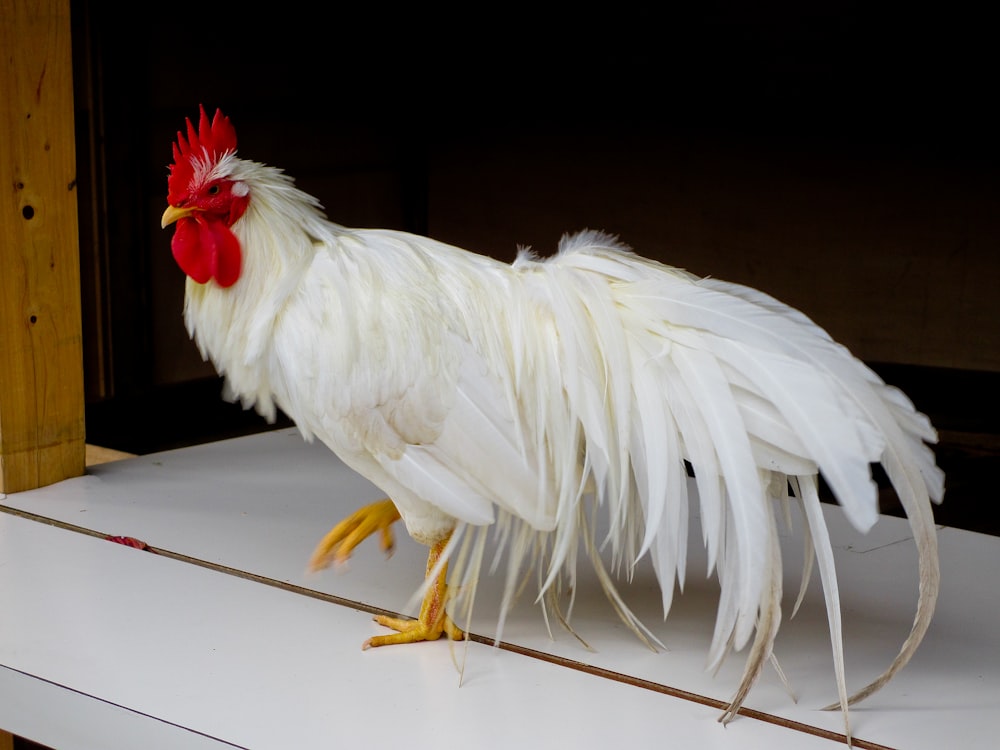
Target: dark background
[841, 159]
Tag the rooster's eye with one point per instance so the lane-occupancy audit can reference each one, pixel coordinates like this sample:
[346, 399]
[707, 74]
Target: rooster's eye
[213, 190]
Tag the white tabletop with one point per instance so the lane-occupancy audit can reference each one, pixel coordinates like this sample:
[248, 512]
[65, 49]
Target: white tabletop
[223, 640]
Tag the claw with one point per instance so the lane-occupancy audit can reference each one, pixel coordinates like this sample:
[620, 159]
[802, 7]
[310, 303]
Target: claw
[341, 540]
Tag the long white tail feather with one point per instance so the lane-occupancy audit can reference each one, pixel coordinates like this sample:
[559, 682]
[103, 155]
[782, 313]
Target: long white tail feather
[808, 560]
[769, 619]
[746, 507]
[807, 491]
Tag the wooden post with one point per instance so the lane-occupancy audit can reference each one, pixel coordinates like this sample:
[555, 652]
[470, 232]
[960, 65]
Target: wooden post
[41, 361]
[6, 740]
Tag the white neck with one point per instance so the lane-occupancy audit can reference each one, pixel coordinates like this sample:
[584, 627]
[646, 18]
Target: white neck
[278, 236]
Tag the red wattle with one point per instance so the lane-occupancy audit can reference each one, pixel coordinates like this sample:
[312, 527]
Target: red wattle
[206, 250]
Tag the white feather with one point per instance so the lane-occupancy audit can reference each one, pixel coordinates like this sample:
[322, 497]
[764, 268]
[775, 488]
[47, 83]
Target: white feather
[535, 395]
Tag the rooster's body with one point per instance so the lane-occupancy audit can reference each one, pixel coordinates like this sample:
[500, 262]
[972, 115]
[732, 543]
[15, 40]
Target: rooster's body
[477, 393]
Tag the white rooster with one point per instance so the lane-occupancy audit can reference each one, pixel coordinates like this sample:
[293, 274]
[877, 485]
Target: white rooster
[477, 393]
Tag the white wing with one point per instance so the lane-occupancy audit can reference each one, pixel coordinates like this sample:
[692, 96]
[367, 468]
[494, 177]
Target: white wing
[412, 382]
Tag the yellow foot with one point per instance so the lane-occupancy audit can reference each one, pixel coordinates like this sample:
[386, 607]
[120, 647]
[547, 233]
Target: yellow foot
[433, 621]
[341, 540]
[412, 631]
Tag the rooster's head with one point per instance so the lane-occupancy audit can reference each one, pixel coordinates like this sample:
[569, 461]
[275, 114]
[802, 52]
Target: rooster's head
[205, 200]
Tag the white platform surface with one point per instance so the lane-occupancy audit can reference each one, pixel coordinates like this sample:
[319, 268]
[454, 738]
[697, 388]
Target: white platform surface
[105, 646]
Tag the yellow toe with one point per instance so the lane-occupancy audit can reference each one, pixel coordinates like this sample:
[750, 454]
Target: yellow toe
[341, 540]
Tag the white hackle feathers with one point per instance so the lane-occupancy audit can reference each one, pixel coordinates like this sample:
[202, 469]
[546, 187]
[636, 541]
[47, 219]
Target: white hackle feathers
[536, 395]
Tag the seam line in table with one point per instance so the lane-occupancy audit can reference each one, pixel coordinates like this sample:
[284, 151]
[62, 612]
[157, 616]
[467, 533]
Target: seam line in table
[504, 645]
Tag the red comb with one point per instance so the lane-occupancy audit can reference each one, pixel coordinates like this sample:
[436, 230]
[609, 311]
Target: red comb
[210, 142]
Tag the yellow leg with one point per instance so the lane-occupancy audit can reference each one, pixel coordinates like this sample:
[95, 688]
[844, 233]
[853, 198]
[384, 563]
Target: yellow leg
[341, 540]
[433, 621]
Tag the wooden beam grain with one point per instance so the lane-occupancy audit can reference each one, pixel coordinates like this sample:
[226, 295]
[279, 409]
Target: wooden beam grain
[41, 370]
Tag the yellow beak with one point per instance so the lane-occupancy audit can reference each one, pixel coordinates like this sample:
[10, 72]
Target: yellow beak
[173, 213]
